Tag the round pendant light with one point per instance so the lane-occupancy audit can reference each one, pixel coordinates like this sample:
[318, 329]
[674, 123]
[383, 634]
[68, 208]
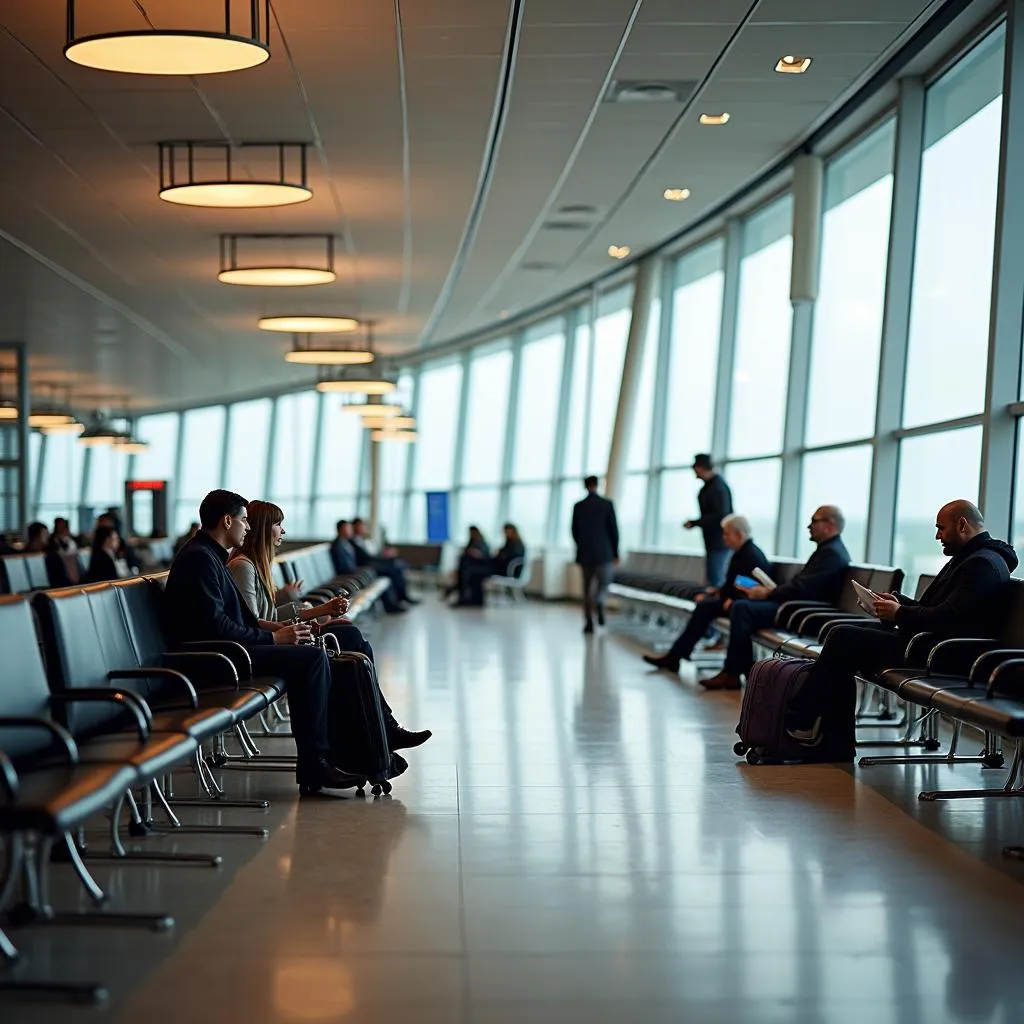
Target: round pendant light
[394, 435]
[129, 444]
[238, 269]
[328, 356]
[49, 418]
[174, 51]
[389, 422]
[300, 323]
[63, 428]
[8, 411]
[357, 386]
[179, 182]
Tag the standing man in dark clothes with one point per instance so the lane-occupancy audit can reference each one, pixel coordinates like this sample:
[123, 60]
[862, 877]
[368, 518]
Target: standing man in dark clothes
[715, 601]
[596, 533]
[819, 580]
[962, 600]
[714, 500]
[203, 603]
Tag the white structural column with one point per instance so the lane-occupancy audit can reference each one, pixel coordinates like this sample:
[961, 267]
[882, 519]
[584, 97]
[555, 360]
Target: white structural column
[808, 177]
[896, 319]
[375, 484]
[1007, 322]
[643, 295]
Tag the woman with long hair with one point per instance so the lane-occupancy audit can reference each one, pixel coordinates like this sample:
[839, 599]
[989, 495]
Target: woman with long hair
[105, 562]
[476, 565]
[251, 568]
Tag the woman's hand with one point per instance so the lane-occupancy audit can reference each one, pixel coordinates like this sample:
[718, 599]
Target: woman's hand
[291, 591]
[295, 633]
[336, 606]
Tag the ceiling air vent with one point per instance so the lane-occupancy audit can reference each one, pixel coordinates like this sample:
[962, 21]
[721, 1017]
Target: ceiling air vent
[578, 210]
[566, 225]
[642, 90]
[542, 265]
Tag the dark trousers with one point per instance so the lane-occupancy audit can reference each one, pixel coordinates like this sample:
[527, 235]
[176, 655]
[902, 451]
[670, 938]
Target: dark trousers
[394, 571]
[472, 573]
[745, 619]
[703, 615]
[831, 689]
[717, 561]
[596, 579]
[308, 676]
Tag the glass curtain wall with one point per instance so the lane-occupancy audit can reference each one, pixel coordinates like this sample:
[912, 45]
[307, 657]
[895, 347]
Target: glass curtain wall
[511, 424]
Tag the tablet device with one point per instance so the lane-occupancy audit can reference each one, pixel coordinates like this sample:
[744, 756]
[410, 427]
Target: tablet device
[865, 598]
[747, 582]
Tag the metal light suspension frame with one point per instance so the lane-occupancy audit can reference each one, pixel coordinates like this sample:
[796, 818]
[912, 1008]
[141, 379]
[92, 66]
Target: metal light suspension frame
[357, 382]
[154, 51]
[179, 184]
[233, 271]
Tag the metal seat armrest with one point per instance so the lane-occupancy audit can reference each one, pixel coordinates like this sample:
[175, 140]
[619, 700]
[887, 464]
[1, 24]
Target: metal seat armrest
[812, 623]
[955, 656]
[985, 664]
[1007, 678]
[55, 729]
[9, 777]
[230, 649]
[788, 608]
[132, 701]
[169, 674]
[918, 648]
[204, 667]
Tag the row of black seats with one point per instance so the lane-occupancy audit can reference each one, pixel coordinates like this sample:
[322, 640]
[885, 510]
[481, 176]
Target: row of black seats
[314, 566]
[94, 712]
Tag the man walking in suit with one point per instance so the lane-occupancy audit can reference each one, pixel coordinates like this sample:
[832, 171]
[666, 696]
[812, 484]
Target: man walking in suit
[715, 502]
[596, 533]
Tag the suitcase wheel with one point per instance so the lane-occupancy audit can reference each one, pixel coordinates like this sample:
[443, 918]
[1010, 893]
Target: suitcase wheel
[753, 757]
[381, 787]
[739, 748]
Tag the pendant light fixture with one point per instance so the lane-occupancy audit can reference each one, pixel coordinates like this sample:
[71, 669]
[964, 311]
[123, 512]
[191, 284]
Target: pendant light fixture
[308, 323]
[281, 185]
[199, 51]
[341, 354]
[8, 406]
[268, 273]
[394, 435]
[129, 444]
[99, 432]
[374, 409]
[388, 422]
[357, 382]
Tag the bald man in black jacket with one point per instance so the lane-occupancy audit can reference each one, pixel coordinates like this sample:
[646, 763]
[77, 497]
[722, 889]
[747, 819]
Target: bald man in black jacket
[963, 600]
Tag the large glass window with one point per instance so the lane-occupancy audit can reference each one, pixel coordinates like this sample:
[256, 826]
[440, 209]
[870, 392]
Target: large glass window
[528, 509]
[678, 503]
[576, 427]
[693, 358]
[952, 285]
[540, 383]
[922, 492]
[161, 434]
[630, 510]
[439, 392]
[611, 332]
[248, 441]
[202, 447]
[763, 327]
[490, 375]
[640, 438]
[61, 485]
[337, 477]
[839, 477]
[478, 506]
[108, 470]
[755, 494]
[847, 333]
[291, 468]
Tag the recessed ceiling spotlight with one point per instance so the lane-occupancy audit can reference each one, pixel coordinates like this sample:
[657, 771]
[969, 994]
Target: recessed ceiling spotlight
[618, 252]
[722, 118]
[676, 195]
[791, 65]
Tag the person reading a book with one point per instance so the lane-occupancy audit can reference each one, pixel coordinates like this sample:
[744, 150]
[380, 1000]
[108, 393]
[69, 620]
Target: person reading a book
[963, 600]
[715, 601]
[820, 579]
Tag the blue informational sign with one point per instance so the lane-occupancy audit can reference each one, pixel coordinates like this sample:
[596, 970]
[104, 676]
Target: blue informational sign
[437, 517]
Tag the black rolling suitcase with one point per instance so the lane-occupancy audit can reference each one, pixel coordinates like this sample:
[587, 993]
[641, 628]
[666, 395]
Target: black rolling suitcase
[355, 727]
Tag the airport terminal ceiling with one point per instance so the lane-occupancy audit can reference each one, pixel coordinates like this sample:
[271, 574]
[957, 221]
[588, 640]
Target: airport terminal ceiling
[403, 107]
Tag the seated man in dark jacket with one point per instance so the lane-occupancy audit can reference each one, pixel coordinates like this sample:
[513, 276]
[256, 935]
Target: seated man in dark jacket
[383, 560]
[962, 600]
[203, 603]
[343, 553]
[819, 580]
[715, 601]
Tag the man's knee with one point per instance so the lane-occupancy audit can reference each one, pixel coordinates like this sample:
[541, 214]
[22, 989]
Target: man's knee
[740, 612]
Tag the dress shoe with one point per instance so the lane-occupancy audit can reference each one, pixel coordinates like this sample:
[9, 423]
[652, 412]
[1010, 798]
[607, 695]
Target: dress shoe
[722, 681]
[669, 664]
[411, 600]
[403, 739]
[330, 777]
[714, 648]
[589, 627]
[600, 614]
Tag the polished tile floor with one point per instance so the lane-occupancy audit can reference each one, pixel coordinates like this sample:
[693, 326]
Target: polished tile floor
[576, 844]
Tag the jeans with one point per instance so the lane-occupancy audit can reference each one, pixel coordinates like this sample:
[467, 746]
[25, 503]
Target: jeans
[745, 619]
[307, 674]
[717, 565]
[596, 579]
